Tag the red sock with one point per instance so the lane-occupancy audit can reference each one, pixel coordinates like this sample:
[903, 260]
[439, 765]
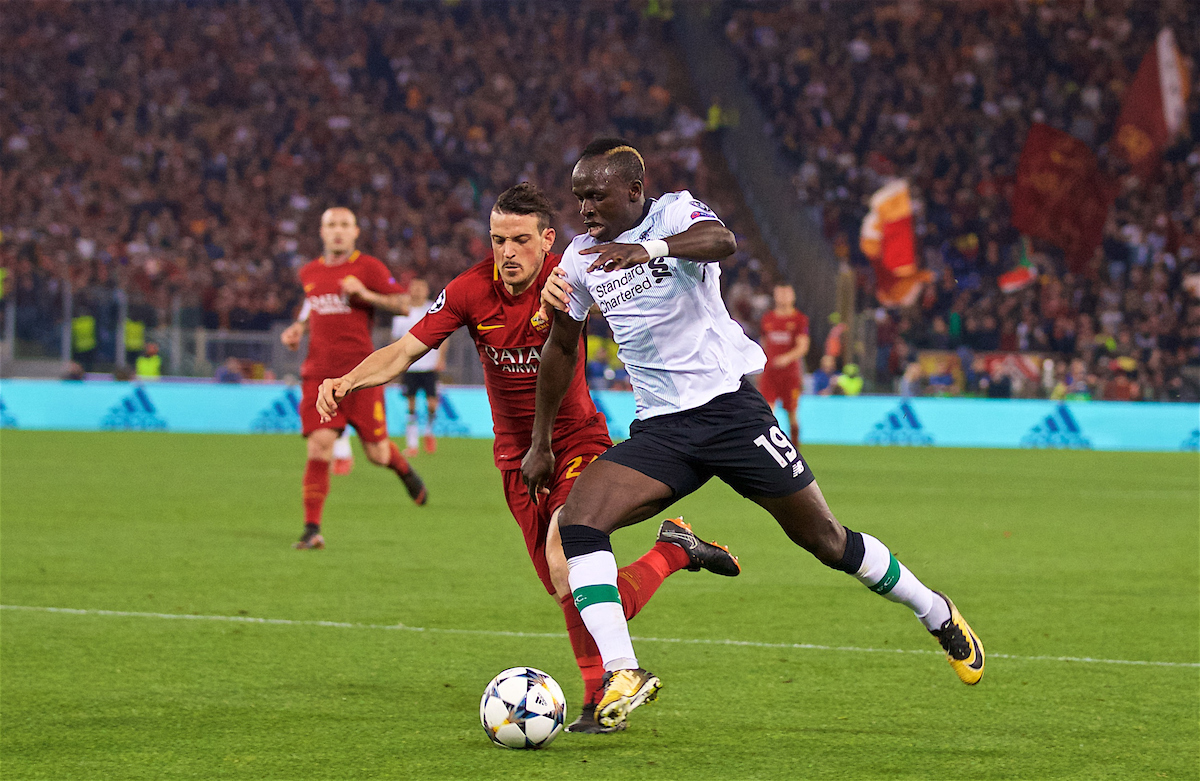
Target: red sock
[587, 655]
[396, 462]
[316, 488]
[638, 581]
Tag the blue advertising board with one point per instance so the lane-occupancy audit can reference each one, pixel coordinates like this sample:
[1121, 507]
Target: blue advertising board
[260, 408]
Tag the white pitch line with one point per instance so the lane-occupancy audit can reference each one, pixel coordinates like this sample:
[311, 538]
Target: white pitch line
[559, 635]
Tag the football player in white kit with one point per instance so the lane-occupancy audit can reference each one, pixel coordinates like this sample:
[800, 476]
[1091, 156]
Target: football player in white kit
[649, 267]
[422, 375]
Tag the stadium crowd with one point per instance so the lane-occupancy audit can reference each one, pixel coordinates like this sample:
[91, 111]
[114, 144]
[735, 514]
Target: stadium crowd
[943, 95]
[188, 150]
[183, 153]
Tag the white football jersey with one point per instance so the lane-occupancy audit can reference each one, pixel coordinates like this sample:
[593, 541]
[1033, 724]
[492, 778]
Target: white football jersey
[673, 333]
[402, 324]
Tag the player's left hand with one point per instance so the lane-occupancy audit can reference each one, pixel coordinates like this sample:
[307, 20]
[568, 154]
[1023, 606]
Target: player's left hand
[330, 393]
[353, 286]
[780, 361]
[614, 257]
[537, 467]
[556, 294]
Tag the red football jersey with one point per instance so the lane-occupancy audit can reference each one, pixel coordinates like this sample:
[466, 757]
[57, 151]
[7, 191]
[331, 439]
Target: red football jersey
[779, 332]
[339, 328]
[510, 348]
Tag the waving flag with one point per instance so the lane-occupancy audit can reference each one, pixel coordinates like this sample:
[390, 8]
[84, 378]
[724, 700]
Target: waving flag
[1061, 195]
[886, 238]
[1154, 107]
[1021, 277]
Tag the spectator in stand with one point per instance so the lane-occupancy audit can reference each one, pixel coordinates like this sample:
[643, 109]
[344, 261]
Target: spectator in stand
[824, 375]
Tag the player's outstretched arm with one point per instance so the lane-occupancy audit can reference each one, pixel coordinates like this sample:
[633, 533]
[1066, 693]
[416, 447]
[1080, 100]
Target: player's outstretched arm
[378, 368]
[392, 303]
[559, 357]
[703, 242]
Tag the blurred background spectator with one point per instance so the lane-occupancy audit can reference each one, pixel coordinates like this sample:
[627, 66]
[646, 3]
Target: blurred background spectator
[167, 162]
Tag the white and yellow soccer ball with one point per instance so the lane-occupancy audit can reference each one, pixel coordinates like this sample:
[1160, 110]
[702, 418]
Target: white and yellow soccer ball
[522, 707]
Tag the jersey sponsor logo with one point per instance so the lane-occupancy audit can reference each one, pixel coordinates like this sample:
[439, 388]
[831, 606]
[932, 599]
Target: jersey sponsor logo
[899, 427]
[1057, 430]
[282, 416]
[438, 304]
[614, 292]
[330, 304]
[135, 412]
[514, 360]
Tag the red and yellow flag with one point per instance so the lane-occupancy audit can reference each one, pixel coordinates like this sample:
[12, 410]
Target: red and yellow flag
[1154, 107]
[887, 239]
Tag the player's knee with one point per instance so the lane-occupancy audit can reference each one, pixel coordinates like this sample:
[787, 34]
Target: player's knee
[378, 453]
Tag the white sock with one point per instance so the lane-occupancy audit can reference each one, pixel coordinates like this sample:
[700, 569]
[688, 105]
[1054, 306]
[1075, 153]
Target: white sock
[883, 574]
[341, 446]
[411, 437]
[593, 579]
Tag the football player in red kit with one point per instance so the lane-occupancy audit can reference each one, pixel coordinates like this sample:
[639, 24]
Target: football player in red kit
[498, 300]
[784, 338]
[342, 288]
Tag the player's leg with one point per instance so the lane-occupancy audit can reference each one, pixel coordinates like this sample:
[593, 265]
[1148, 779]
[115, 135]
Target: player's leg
[343, 456]
[431, 408]
[319, 438]
[365, 411]
[807, 520]
[411, 434]
[319, 444]
[607, 496]
[752, 455]
[791, 403]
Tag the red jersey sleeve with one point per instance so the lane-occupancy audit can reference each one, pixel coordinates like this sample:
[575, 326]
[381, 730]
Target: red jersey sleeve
[446, 316]
[376, 276]
[802, 324]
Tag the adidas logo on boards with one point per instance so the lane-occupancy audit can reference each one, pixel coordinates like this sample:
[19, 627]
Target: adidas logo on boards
[281, 417]
[448, 423]
[135, 412]
[1191, 443]
[6, 420]
[1057, 430]
[899, 427]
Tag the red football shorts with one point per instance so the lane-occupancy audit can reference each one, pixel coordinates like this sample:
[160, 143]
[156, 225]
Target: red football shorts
[534, 519]
[783, 386]
[362, 409]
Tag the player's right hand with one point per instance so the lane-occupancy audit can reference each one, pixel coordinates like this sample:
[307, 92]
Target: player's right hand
[556, 294]
[537, 467]
[292, 335]
[329, 394]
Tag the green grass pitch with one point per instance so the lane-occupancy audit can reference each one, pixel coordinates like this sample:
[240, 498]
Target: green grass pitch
[1064, 562]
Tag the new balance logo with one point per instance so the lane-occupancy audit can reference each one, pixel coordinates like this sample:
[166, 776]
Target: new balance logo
[135, 412]
[1191, 443]
[6, 420]
[1058, 430]
[899, 427]
[281, 417]
[797, 468]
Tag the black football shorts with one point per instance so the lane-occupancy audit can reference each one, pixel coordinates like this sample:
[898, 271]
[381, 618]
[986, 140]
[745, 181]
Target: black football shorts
[734, 437]
[420, 381]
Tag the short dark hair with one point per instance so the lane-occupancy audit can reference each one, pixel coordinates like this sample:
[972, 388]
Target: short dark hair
[626, 160]
[526, 198]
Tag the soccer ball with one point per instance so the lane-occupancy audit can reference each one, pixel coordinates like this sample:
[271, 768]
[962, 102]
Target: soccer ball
[522, 708]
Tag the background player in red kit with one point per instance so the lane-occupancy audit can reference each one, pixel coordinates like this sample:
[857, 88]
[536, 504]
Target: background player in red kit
[784, 338]
[498, 300]
[341, 290]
